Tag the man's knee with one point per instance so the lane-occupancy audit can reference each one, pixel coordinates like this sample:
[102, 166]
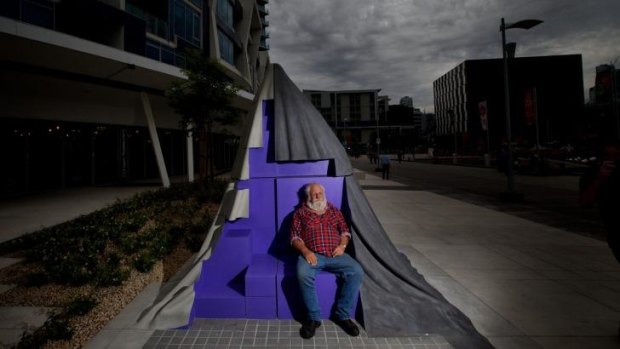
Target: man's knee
[305, 273]
[354, 269]
[357, 270]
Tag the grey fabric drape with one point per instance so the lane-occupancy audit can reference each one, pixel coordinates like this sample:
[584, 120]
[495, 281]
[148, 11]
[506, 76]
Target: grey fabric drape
[396, 299]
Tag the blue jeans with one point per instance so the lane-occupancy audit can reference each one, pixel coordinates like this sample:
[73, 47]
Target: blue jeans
[345, 267]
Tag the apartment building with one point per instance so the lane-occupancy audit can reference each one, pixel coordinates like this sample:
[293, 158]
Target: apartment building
[82, 86]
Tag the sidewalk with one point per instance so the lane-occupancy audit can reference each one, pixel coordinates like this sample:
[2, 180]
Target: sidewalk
[523, 284]
[28, 214]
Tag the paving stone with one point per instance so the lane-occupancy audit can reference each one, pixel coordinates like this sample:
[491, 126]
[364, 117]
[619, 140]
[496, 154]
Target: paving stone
[5, 262]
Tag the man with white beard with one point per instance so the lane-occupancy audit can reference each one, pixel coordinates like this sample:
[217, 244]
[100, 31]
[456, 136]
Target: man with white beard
[320, 234]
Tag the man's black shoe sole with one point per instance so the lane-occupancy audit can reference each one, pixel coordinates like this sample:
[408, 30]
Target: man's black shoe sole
[349, 327]
[311, 330]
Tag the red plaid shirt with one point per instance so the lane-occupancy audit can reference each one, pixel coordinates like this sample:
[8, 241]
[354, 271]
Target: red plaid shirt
[320, 233]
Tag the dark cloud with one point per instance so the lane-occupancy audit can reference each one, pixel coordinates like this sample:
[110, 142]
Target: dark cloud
[401, 46]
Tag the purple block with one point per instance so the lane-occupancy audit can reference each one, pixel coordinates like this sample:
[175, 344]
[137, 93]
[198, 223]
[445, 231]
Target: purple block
[219, 302]
[260, 278]
[261, 307]
[306, 168]
[262, 213]
[260, 165]
[220, 268]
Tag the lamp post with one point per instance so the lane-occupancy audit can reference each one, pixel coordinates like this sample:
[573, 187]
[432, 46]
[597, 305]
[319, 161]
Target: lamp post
[523, 24]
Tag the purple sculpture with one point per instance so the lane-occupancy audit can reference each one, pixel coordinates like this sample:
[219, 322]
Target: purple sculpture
[251, 273]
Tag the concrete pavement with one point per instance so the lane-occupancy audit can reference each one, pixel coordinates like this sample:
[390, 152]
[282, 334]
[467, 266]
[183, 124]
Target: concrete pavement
[31, 213]
[523, 284]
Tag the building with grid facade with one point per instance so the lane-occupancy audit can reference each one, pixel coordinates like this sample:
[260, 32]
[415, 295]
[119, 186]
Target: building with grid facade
[546, 93]
[353, 114]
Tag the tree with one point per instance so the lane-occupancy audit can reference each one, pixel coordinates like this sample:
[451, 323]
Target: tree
[202, 100]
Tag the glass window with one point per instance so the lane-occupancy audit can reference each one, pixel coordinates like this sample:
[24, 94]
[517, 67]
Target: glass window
[167, 56]
[227, 52]
[197, 3]
[152, 50]
[187, 23]
[196, 27]
[38, 12]
[179, 19]
[371, 96]
[225, 12]
[355, 107]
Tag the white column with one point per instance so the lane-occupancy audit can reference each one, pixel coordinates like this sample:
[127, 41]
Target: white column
[190, 154]
[159, 156]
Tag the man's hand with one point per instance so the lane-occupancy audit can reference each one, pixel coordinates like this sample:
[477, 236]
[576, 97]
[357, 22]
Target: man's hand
[311, 258]
[339, 251]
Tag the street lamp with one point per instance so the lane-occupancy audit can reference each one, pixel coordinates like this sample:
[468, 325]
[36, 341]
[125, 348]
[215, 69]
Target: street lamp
[523, 24]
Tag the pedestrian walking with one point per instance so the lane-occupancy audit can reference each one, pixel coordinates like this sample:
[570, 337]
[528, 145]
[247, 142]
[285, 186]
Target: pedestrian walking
[385, 166]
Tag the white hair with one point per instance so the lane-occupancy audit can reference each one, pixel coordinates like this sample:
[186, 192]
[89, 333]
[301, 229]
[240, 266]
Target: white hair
[309, 185]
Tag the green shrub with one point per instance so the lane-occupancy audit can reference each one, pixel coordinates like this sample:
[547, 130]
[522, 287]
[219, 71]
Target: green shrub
[70, 260]
[36, 279]
[74, 252]
[107, 276]
[144, 263]
[176, 233]
[109, 272]
[56, 327]
[161, 244]
[129, 243]
[81, 305]
[194, 242]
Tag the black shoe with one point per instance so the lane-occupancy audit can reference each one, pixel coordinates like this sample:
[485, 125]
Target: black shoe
[308, 328]
[348, 326]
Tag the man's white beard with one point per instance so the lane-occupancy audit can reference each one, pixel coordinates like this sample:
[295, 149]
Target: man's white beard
[318, 205]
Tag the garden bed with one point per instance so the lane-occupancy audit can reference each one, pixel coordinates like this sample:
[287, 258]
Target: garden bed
[90, 268]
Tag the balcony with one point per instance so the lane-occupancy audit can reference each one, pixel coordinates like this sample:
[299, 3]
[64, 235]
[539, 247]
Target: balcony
[263, 10]
[154, 24]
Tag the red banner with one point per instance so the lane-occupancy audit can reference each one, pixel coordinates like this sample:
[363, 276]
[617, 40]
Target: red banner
[530, 106]
[482, 109]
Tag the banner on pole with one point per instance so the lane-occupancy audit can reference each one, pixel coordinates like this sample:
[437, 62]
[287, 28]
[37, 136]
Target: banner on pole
[482, 110]
[530, 106]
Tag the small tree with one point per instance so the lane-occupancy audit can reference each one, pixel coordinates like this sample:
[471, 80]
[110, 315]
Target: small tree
[203, 99]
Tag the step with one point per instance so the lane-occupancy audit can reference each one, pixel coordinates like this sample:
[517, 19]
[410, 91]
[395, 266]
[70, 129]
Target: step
[260, 278]
[219, 302]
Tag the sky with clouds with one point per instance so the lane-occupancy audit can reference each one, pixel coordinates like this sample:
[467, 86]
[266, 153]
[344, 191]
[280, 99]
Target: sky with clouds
[402, 46]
